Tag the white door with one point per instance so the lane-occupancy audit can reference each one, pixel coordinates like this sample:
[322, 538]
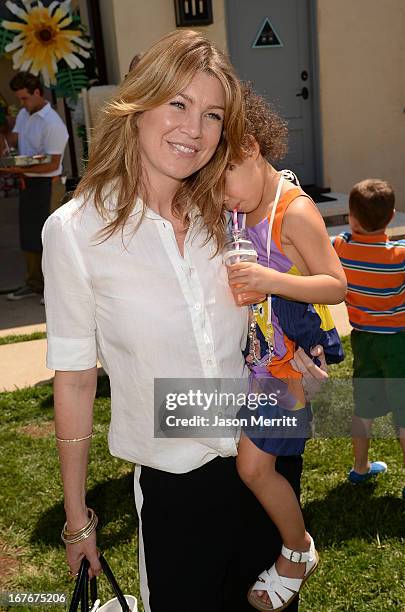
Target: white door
[269, 44]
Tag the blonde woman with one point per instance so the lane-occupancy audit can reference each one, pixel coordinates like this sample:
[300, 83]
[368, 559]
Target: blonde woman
[134, 277]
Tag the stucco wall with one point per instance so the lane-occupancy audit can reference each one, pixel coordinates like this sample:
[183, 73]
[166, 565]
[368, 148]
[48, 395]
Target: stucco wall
[130, 27]
[362, 77]
[362, 80]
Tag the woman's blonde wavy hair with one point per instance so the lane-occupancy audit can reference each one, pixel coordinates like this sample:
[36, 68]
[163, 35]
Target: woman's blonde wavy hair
[114, 162]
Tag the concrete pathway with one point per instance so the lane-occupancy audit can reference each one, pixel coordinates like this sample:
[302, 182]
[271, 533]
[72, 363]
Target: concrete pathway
[11, 259]
[29, 312]
[23, 365]
[339, 315]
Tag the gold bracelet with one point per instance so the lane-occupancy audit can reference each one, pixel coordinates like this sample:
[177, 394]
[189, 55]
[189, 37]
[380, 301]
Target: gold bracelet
[90, 514]
[72, 537]
[74, 439]
[81, 537]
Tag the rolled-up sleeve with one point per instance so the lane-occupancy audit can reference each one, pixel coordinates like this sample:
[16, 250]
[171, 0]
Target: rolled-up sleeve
[69, 300]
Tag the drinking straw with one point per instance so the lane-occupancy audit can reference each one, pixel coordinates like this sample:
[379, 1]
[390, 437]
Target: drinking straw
[236, 227]
[235, 219]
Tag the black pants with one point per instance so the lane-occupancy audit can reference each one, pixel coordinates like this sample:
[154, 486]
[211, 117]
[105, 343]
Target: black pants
[34, 209]
[34, 278]
[206, 537]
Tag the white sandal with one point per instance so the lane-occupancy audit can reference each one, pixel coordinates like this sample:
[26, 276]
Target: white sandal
[280, 589]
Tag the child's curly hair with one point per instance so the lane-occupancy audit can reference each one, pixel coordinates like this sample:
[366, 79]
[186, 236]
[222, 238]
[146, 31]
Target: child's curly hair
[265, 125]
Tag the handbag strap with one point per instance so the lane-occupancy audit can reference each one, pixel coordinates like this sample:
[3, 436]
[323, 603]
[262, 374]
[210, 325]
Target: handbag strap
[93, 590]
[81, 591]
[111, 578]
[79, 586]
[84, 600]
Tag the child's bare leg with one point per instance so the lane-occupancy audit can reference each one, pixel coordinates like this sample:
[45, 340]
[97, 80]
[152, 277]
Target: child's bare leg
[361, 440]
[257, 470]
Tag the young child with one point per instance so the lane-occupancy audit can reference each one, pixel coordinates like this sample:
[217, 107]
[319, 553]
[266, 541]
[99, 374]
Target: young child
[296, 261]
[375, 271]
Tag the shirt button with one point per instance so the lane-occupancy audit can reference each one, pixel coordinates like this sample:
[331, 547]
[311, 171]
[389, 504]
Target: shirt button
[197, 306]
[209, 362]
[207, 339]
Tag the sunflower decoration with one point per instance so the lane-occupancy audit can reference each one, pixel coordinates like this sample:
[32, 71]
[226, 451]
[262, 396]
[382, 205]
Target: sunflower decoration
[45, 36]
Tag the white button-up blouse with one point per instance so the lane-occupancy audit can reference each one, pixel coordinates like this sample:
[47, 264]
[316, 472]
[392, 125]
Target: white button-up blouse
[135, 304]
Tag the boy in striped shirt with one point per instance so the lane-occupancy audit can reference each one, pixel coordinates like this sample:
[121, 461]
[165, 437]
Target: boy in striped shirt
[375, 300]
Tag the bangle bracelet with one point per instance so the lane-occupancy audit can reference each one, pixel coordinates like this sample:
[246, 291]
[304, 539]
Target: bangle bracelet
[72, 537]
[81, 537]
[91, 514]
[74, 439]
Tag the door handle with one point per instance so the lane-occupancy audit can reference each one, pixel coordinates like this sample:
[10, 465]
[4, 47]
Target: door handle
[304, 93]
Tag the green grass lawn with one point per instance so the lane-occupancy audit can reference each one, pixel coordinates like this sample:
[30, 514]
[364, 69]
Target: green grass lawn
[13, 338]
[359, 531]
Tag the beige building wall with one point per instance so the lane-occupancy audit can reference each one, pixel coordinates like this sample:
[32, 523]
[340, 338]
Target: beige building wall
[362, 84]
[362, 77]
[130, 27]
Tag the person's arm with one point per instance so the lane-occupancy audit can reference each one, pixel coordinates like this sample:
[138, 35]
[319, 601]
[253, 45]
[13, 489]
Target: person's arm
[74, 394]
[37, 168]
[15, 127]
[12, 139]
[304, 227]
[44, 168]
[70, 319]
[8, 140]
[55, 138]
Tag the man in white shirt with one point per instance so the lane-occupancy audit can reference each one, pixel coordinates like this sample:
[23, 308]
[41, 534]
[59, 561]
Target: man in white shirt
[38, 131]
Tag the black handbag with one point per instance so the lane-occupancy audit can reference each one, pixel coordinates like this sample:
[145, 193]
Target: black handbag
[81, 596]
